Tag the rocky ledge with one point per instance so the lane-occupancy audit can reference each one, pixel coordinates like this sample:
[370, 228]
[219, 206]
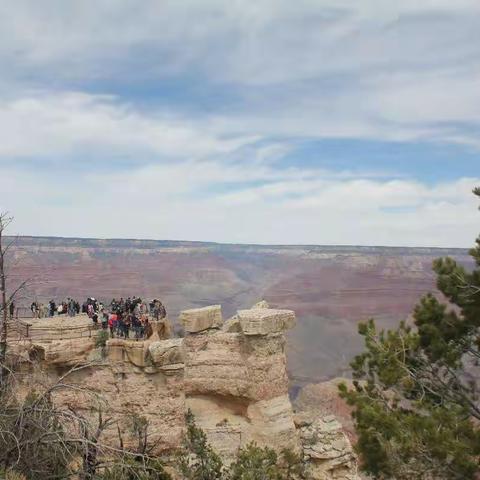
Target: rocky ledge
[231, 375]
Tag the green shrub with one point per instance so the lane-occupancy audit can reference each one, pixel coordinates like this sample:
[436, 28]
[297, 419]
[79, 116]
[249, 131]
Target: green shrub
[101, 339]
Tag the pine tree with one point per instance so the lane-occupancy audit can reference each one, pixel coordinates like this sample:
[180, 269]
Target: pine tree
[415, 395]
[198, 460]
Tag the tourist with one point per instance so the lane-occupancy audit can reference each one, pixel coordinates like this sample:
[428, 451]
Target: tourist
[148, 328]
[141, 326]
[52, 308]
[11, 309]
[104, 320]
[162, 311]
[136, 324]
[34, 309]
[126, 326]
[112, 324]
[120, 324]
[71, 307]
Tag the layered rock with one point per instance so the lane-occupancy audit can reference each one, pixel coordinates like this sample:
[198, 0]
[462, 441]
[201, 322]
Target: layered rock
[236, 382]
[198, 319]
[327, 449]
[264, 321]
[232, 377]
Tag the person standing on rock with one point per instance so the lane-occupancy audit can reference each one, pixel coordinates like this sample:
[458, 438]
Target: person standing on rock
[156, 310]
[126, 325]
[162, 311]
[112, 323]
[95, 319]
[11, 309]
[148, 330]
[135, 326]
[121, 305]
[113, 305]
[34, 309]
[104, 319]
[52, 308]
[120, 325]
[71, 307]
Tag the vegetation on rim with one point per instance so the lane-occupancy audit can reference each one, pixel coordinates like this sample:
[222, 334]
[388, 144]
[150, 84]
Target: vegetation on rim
[415, 399]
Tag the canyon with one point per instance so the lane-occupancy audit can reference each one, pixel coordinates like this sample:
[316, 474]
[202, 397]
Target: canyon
[251, 377]
[331, 288]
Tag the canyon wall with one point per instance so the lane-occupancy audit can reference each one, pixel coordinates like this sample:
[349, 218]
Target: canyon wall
[330, 288]
[232, 375]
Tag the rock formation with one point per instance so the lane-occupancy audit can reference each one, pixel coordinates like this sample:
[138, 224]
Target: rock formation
[326, 448]
[323, 399]
[231, 375]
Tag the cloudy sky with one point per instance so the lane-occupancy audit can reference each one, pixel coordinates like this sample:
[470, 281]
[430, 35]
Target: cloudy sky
[263, 121]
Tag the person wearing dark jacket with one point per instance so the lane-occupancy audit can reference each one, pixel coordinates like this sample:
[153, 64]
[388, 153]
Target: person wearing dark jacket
[52, 307]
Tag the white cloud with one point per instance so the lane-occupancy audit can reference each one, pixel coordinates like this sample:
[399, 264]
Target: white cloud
[58, 124]
[366, 69]
[325, 68]
[165, 202]
[428, 98]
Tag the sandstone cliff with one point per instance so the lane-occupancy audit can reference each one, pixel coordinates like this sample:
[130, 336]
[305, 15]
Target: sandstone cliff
[232, 375]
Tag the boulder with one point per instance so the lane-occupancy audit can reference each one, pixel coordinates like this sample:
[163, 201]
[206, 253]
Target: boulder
[263, 321]
[166, 352]
[199, 319]
[122, 350]
[232, 325]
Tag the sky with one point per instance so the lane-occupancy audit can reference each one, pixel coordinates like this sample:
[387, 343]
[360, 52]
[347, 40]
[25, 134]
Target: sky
[350, 122]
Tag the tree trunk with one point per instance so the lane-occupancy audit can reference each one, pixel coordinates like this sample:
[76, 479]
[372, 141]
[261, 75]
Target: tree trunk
[4, 318]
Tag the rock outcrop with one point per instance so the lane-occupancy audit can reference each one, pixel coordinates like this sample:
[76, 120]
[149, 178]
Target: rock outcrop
[263, 321]
[200, 319]
[326, 448]
[238, 380]
[231, 375]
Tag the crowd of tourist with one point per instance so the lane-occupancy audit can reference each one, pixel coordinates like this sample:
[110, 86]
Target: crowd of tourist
[124, 318]
[68, 307]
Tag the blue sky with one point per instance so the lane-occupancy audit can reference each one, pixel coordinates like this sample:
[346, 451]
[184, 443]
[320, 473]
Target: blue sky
[316, 121]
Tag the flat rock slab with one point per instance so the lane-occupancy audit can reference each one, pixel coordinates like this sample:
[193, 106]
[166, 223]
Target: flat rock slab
[198, 319]
[262, 321]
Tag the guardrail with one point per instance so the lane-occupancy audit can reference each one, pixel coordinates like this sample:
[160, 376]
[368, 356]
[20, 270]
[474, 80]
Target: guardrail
[19, 329]
[25, 312]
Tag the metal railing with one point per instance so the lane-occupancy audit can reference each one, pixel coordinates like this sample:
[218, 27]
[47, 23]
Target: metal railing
[22, 329]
